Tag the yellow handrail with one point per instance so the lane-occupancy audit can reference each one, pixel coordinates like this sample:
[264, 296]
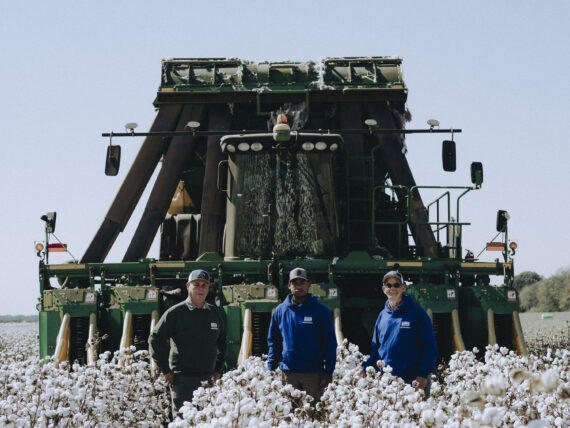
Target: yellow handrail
[247, 338]
[491, 327]
[519, 337]
[338, 326]
[92, 339]
[126, 338]
[457, 336]
[62, 341]
[153, 321]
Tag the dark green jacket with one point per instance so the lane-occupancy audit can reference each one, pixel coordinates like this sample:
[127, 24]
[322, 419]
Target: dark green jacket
[197, 340]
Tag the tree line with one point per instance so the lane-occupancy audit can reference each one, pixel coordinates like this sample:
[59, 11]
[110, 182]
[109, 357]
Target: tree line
[539, 294]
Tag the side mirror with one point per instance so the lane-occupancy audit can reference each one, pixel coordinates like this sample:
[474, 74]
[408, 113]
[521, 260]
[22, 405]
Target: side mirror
[477, 173]
[49, 218]
[113, 160]
[502, 220]
[448, 155]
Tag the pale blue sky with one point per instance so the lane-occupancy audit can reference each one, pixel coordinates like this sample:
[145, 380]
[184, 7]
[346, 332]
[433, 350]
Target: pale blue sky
[73, 69]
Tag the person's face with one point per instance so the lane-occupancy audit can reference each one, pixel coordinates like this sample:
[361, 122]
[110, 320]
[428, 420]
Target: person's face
[198, 289]
[299, 287]
[393, 289]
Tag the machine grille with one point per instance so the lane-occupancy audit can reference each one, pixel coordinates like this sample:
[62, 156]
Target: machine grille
[79, 330]
[260, 326]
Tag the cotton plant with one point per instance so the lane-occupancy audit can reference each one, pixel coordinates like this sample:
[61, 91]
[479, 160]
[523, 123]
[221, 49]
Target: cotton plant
[498, 388]
[106, 393]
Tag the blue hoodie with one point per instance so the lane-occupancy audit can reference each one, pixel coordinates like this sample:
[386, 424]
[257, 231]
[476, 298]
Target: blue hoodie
[302, 337]
[404, 340]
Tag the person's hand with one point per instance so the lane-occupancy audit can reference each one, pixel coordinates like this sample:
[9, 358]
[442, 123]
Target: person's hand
[217, 376]
[325, 380]
[169, 378]
[422, 382]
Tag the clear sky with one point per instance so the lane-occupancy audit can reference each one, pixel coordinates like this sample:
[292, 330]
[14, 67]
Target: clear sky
[72, 70]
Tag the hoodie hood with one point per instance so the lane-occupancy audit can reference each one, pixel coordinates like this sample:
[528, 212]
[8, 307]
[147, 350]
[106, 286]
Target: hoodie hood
[312, 300]
[407, 302]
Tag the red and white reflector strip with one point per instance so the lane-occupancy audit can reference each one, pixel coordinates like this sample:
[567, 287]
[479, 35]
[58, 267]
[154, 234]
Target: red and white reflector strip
[495, 246]
[57, 248]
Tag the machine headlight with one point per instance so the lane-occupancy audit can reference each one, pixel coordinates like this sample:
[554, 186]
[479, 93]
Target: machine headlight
[231, 148]
[308, 146]
[244, 147]
[333, 147]
[321, 145]
[256, 147]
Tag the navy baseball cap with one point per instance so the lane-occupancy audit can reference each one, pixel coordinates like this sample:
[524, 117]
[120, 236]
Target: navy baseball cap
[395, 274]
[198, 274]
[297, 273]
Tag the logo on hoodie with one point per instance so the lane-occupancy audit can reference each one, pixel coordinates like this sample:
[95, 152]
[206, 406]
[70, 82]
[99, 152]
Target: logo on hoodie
[405, 324]
[213, 326]
[308, 320]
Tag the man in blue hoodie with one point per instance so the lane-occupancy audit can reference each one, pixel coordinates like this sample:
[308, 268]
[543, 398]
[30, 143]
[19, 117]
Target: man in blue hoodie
[403, 335]
[301, 338]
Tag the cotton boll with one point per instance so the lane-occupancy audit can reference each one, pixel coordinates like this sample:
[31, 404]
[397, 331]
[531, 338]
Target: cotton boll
[495, 385]
[538, 423]
[518, 375]
[428, 417]
[549, 380]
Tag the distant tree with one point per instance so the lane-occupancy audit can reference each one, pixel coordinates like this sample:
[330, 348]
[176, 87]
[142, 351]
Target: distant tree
[528, 297]
[549, 295]
[526, 278]
[565, 298]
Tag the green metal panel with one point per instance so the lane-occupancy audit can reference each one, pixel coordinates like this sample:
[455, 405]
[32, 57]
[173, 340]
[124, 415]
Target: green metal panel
[234, 326]
[49, 328]
[438, 298]
[475, 303]
[140, 300]
[112, 325]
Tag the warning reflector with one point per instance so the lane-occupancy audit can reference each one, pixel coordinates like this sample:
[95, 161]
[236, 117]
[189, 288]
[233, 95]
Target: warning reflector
[57, 248]
[495, 246]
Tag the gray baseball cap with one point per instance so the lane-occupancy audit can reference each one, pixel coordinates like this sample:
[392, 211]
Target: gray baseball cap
[199, 274]
[395, 274]
[297, 273]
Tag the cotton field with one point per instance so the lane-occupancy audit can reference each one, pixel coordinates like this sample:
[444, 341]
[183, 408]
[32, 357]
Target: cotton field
[502, 390]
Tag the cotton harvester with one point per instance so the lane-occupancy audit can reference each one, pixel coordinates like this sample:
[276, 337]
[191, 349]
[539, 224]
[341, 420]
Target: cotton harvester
[266, 167]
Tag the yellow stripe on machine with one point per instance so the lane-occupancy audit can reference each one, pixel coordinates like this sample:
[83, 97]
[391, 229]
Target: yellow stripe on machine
[408, 264]
[66, 267]
[478, 265]
[168, 265]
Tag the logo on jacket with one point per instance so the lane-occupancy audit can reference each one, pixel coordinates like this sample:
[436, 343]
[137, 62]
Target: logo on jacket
[213, 326]
[405, 324]
[308, 320]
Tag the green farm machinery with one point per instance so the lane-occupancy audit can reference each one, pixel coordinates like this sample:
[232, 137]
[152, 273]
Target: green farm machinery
[266, 167]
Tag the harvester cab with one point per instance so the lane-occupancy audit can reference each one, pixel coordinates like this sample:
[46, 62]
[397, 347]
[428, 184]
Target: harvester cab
[267, 167]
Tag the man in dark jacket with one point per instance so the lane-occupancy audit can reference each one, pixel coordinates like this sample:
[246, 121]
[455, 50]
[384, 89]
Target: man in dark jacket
[197, 342]
[403, 335]
[301, 338]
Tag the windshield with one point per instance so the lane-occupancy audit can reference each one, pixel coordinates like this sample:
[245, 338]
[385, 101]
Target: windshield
[283, 203]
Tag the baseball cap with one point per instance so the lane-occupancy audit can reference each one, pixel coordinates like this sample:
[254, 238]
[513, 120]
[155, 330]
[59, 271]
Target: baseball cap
[297, 273]
[393, 273]
[198, 274]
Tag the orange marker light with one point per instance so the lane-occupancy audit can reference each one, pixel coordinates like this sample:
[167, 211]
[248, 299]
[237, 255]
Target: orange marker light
[513, 246]
[39, 247]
